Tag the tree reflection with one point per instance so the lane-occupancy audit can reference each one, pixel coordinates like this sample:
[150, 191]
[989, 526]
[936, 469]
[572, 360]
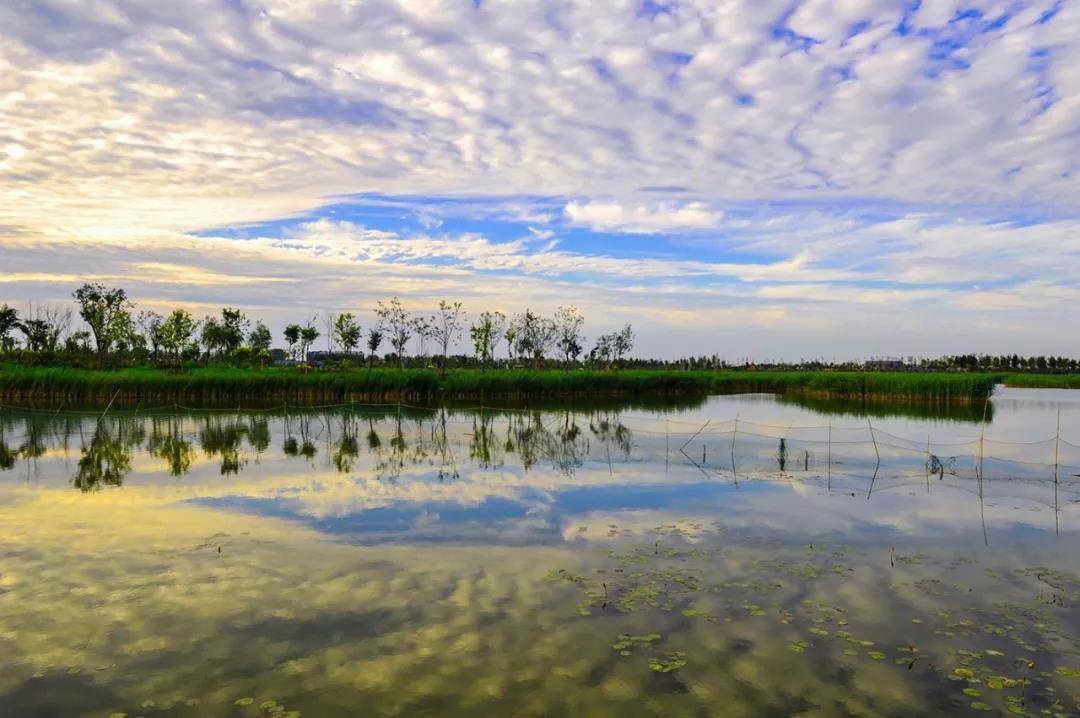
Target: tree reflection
[7, 456]
[347, 448]
[223, 437]
[105, 460]
[609, 429]
[167, 442]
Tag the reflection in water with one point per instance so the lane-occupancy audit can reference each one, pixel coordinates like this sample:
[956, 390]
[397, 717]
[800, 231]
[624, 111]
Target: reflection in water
[574, 561]
[167, 442]
[107, 458]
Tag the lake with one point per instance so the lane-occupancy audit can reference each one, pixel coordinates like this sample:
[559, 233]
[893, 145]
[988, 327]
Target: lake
[740, 555]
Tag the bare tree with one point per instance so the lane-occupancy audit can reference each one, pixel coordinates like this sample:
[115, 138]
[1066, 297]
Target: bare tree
[330, 323]
[422, 328]
[394, 322]
[446, 326]
[623, 342]
[44, 326]
[568, 339]
[149, 324]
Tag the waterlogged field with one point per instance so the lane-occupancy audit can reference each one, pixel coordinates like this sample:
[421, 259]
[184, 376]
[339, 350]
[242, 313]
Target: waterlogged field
[743, 556]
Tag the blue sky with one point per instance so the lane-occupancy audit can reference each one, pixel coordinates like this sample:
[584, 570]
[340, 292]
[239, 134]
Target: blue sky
[777, 179]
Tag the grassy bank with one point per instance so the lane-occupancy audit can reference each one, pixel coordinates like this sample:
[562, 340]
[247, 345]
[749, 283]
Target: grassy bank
[219, 384]
[1043, 381]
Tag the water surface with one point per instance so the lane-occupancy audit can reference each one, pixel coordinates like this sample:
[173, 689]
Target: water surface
[746, 555]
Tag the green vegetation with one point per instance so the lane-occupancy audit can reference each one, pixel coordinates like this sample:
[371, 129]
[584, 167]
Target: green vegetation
[218, 383]
[1043, 381]
[144, 356]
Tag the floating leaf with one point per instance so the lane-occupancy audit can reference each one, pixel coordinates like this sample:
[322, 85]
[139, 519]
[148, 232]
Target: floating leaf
[669, 662]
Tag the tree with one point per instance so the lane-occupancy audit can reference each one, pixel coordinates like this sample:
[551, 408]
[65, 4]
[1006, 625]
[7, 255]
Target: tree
[176, 334]
[43, 327]
[568, 339]
[510, 335]
[260, 338]
[446, 326]
[347, 332]
[77, 342]
[234, 325]
[485, 333]
[108, 314]
[9, 321]
[422, 328]
[622, 343]
[292, 338]
[394, 322]
[534, 337]
[330, 321]
[149, 324]
[601, 353]
[374, 339]
[308, 335]
[213, 337]
[43, 332]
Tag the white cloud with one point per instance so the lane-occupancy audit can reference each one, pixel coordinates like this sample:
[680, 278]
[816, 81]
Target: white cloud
[127, 127]
[643, 219]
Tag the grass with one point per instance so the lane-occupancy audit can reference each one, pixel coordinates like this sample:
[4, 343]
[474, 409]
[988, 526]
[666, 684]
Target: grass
[223, 384]
[1043, 381]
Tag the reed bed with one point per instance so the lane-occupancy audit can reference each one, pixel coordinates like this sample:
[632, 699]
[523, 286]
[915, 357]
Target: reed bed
[1043, 381]
[216, 384]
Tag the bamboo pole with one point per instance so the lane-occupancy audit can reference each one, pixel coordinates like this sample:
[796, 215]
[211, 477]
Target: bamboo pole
[1057, 463]
[873, 439]
[734, 433]
[829, 461]
[982, 440]
[928, 462]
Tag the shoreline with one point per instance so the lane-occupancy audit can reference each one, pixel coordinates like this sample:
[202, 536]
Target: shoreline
[224, 384]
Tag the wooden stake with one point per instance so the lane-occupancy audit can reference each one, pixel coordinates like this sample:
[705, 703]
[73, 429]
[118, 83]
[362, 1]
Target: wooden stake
[734, 432]
[928, 462]
[830, 456]
[982, 437]
[873, 439]
[1057, 462]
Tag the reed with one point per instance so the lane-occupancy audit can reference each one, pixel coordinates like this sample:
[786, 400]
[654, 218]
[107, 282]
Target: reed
[222, 384]
[1043, 381]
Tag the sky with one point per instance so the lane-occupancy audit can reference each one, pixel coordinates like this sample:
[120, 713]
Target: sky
[756, 180]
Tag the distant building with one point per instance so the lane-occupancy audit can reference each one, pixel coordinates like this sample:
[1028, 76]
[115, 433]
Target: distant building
[884, 364]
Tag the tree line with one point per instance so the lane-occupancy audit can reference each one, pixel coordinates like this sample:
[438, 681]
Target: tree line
[115, 333]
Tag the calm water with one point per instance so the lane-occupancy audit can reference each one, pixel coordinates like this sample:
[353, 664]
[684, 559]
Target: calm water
[742, 556]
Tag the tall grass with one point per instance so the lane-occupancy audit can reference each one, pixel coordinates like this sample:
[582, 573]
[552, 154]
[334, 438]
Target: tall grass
[1043, 381]
[220, 384]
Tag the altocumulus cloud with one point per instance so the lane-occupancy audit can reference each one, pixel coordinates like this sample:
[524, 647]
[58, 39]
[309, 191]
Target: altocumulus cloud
[771, 174]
